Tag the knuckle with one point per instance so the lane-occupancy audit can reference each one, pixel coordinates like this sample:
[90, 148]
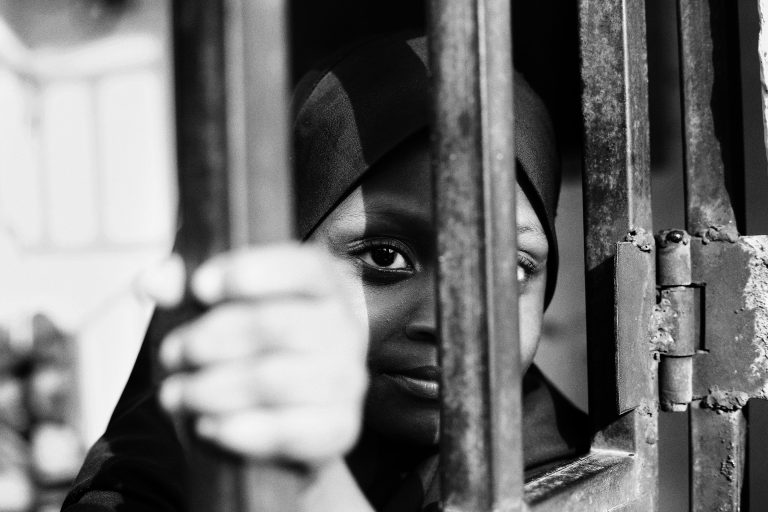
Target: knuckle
[358, 381]
[347, 429]
[266, 379]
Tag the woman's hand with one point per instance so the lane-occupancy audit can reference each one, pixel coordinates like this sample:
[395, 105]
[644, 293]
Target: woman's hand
[275, 369]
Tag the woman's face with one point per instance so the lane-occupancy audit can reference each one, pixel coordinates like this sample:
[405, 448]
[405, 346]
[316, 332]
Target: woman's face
[382, 238]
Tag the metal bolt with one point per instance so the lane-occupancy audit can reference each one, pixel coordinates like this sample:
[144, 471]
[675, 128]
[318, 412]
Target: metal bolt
[675, 236]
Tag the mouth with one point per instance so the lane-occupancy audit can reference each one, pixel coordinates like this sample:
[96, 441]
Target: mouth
[421, 382]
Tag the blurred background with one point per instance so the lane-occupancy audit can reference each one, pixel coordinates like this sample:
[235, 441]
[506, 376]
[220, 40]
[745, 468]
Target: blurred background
[87, 200]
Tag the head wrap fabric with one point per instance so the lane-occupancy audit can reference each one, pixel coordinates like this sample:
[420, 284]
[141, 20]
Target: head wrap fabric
[371, 97]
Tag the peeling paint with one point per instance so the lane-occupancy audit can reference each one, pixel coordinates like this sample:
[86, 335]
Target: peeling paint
[756, 300]
[663, 320]
[640, 238]
[722, 401]
[650, 410]
[728, 468]
[725, 233]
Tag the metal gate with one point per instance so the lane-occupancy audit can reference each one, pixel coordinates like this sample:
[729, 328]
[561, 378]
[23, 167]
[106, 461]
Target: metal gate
[677, 321]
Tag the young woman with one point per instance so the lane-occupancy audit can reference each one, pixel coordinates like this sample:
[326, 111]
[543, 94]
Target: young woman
[326, 353]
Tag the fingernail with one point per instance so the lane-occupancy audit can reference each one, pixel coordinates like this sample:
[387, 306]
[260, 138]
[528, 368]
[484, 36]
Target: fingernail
[206, 284]
[171, 352]
[170, 395]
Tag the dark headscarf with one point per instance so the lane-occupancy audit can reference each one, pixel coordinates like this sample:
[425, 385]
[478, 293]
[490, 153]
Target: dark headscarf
[371, 97]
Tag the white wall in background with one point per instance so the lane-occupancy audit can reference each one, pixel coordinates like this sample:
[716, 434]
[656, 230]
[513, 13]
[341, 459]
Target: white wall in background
[86, 193]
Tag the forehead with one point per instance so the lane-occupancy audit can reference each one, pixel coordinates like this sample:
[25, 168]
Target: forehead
[398, 190]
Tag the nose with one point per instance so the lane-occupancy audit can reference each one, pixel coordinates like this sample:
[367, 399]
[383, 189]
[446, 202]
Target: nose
[421, 325]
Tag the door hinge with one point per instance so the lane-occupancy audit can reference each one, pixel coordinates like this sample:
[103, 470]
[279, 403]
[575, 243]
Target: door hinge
[709, 327]
[676, 319]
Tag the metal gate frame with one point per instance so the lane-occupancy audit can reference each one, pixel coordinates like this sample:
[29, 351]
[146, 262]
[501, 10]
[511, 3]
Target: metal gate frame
[223, 99]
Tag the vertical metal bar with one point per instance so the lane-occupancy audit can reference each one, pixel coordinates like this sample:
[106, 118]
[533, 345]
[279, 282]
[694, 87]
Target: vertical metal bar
[262, 206]
[708, 207]
[234, 187]
[718, 455]
[475, 187]
[617, 203]
[718, 438]
[198, 28]
[763, 53]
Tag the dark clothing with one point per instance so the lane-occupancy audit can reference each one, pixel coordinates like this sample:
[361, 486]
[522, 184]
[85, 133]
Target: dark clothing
[400, 479]
[138, 464]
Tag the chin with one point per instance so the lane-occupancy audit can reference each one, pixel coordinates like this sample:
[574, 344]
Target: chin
[401, 418]
[421, 434]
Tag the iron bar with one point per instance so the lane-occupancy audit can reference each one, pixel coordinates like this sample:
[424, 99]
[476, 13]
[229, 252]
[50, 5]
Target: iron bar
[616, 169]
[732, 369]
[231, 117]
[763, 53]
[718, 454]
[261, 201]
[707, 119]
[475, 187]
[617, 207]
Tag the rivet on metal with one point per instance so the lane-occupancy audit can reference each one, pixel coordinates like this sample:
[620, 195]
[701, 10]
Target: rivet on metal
[675, 236]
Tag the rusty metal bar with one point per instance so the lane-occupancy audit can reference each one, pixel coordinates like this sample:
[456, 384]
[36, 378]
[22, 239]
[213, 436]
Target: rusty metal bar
[474, 164]
[726, 373]
[705, 119]
[234, 187]
[617, 208]
[718, 453]
[732, 369]
[763, 53]
[616, 170]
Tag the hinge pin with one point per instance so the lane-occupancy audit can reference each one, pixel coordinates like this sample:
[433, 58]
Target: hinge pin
[676, 320]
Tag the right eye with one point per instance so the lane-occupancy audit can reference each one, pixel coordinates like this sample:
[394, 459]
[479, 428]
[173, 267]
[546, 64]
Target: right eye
[384, 257]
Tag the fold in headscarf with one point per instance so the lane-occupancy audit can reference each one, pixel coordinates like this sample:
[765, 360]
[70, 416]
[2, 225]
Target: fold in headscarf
[371, 97]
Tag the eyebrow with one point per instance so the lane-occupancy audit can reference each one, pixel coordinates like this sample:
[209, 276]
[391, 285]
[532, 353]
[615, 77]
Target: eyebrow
[388, 213]
[530, 228]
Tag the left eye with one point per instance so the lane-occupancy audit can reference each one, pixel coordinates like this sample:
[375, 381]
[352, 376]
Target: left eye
[525, 269]
[385, 257]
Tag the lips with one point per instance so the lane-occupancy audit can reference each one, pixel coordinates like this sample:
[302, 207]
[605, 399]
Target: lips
[421, 382]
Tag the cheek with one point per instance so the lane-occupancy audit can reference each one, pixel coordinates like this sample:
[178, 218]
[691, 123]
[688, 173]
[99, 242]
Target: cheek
[349, 280]
[386, 313]
[354, 291]
[531, 305]
[530, 331]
